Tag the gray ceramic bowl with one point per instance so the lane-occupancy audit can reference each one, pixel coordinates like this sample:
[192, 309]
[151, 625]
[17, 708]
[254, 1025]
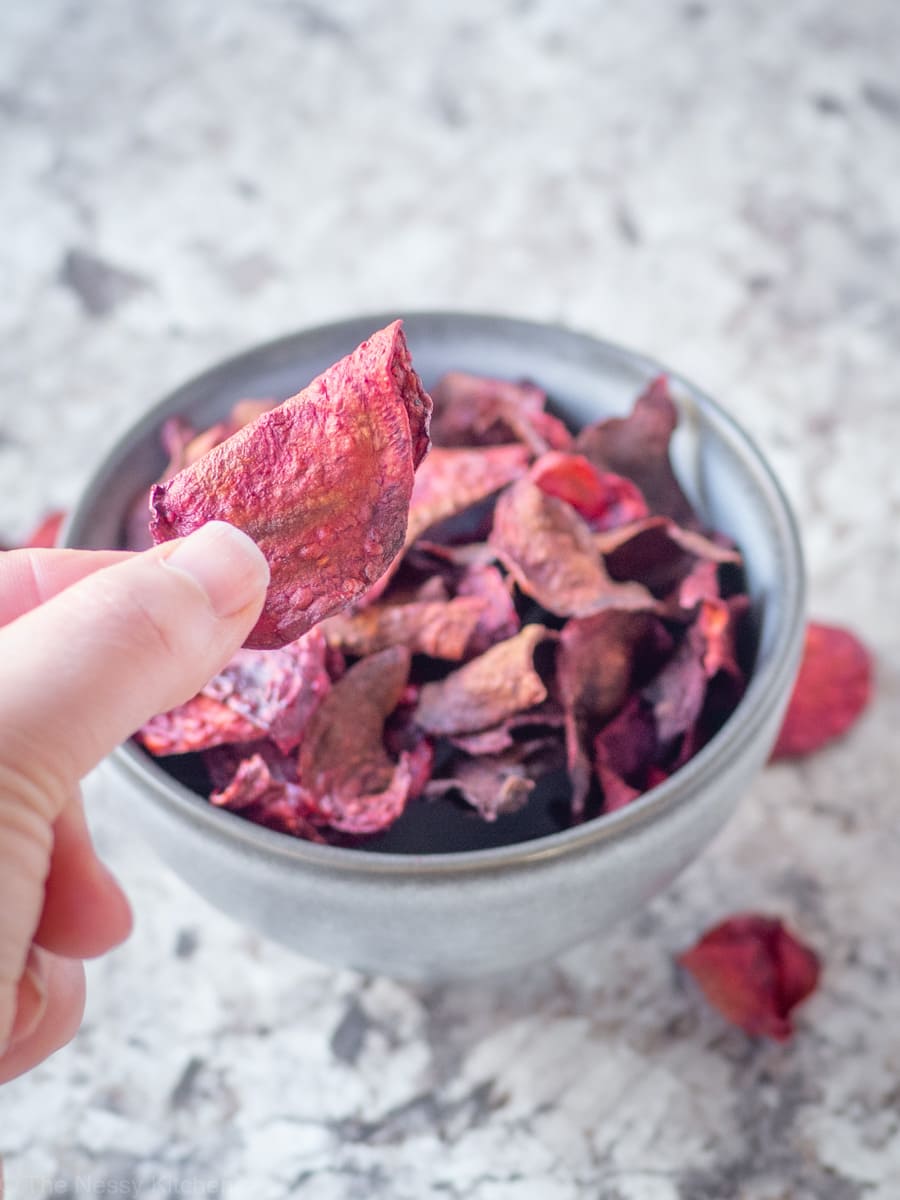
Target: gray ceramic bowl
[435, 916]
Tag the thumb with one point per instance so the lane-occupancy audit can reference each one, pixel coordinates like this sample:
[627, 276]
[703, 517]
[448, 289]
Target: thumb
[83, 671]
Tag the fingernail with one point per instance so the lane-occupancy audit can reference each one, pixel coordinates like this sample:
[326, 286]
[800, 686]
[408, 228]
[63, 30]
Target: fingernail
[32, 998]
[226, 563]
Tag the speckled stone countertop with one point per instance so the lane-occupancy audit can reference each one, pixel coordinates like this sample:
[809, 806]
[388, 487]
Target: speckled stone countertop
[716, 184]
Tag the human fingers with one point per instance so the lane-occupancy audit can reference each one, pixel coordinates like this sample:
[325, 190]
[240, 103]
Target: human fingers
[83, 671]
[85, 911]
[29, 577]
[51, 1018]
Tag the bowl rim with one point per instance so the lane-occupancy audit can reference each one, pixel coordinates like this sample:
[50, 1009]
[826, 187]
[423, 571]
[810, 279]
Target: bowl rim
[770, 681]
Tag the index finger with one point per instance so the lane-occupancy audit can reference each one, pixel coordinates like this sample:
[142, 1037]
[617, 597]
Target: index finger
[29, 577]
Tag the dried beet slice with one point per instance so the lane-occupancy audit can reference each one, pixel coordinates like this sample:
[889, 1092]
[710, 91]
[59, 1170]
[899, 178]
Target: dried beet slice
[262, 786]
[754, 972]
[441, 629]
[322, 483]
[625, 750]
[491, 687]
[832, 691]
[450, 481]
[543, 717]
[549, 550]
[637, 446]
[604, 500]
[471, 410]
[45, 535]
[659, 553]
[598, 660]
[494, 786]
[350, 782]
[198, 724]
[498, 619]
[276, 690]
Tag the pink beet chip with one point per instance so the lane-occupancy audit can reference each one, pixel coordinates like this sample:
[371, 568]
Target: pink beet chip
[322, 483]
[754, 971]
[833, 688]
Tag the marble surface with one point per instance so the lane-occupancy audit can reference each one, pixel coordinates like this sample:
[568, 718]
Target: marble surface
[716, 184]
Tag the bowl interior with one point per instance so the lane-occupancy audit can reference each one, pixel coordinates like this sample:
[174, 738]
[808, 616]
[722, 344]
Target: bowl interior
[720, 469]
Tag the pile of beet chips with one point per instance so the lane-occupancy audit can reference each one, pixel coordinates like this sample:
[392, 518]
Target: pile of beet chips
[555, 607]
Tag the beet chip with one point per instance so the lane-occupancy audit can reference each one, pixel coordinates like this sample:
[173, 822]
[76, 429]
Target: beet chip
[754, 972]
[470, 410]
[198, 724]
[637, 446]
[658, 553]
[277, 690]
[46, 535]
[603, 499]
[598, 659]
[549, 549]
[441, 629]
[493, 786]
[498, 618]
[262, 786]
[498, 683]
[322, 483]
[259, 693]
[625, 751]
[350, 781]
[833, 688]
[450, 481]
[544, 717]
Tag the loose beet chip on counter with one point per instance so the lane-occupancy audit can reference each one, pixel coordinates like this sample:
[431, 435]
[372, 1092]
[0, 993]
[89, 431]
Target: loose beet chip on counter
[322, 483]
[755, 972]
[549, 630]
[833, 689]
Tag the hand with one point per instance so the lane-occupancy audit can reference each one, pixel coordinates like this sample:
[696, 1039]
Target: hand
[92, 644]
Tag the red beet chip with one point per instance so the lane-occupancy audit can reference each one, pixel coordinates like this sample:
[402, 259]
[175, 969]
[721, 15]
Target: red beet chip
[637, 446]
[470, 410]
[198, 724]
[603, 499]
[487, 690]
[833, 688]
[262, 786]
[46, 535]
[259, 693]
[754, 972]
[597, 661]
[440, 628]
[658, 553]
[351, 783]
[450, 481]
[549, 550]
[277, 690]
[624, 753]
[529, 724]
[493, 785]
[322, 483]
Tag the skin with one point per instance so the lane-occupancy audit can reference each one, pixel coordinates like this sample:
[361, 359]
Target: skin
[77, 629]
